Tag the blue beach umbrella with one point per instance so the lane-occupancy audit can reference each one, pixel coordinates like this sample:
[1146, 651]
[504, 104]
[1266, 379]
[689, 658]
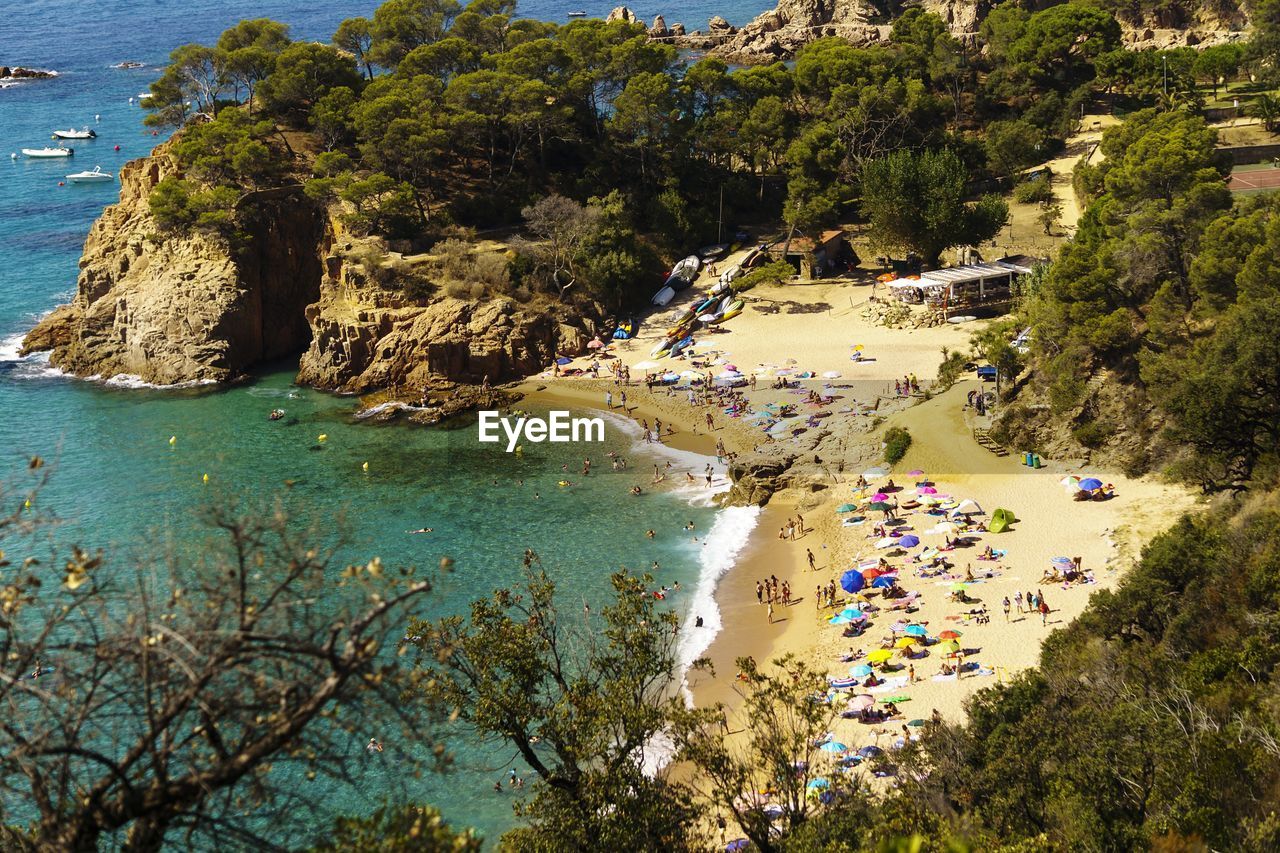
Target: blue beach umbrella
[818, 784]
[851, 581]
[862, 670]
[916, 631]
[737, 845]
[1090, 483]
[868, 751]
[833, 746]
[563, 361]
[909, 541]
[883, 582]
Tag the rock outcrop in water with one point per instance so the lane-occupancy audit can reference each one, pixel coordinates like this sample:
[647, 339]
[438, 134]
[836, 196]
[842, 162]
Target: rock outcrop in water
[181, 308]
[186, 308]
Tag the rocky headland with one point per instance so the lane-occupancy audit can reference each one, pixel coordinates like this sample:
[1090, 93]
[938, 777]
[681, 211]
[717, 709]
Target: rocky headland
[182, 307]
[779, 32]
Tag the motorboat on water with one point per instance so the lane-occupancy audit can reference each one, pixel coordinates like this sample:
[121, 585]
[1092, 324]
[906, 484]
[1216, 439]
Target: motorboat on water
[577, 14]
[83, 133]
[48, 152]
[97, 176]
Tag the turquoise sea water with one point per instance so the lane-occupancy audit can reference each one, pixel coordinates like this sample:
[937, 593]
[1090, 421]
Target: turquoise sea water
[120, 485]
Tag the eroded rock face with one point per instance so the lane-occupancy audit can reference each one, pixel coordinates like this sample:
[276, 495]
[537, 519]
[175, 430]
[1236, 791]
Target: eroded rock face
[187, 307]
[622, 13]
[380, 343]
[184, 307]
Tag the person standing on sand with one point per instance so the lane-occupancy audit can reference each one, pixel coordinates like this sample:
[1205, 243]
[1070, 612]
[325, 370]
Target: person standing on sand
[800, 523]
[911, 673]
[771, 612]
[1006, 608]
[1044, 612]
[1017, 599]
[817, 597]
[809, 554]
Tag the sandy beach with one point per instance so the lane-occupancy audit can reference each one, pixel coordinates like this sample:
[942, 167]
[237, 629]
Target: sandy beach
[811, 329]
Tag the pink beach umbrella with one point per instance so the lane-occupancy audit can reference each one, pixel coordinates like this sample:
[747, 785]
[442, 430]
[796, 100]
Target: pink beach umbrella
[596, 344]
[861, 702]
[915, 473]
[879, 496]
[926, 490]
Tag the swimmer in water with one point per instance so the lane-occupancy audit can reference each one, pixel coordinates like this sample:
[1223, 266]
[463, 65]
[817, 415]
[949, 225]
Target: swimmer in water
[650, 534]
[635, 490]
[420, 530]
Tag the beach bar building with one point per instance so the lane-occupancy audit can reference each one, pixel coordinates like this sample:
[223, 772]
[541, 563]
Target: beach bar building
[958, 290]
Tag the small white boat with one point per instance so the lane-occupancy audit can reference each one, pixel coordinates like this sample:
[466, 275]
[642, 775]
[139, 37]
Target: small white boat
[48, 152]
[577, 14]
[142, 95]
[83, 133]
[663, 296]
[97, 176]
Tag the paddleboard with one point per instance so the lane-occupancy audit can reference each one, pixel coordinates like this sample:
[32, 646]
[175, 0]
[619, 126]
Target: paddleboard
[958, 320]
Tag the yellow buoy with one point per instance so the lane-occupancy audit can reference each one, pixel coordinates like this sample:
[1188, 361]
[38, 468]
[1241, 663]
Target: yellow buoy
[205, 478]
[173, 439]
[365, 467]
[27, 503]
[322, 437]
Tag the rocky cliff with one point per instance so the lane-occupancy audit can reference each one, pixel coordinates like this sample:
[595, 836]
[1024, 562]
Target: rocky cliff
[182, 308]
[779, 32]
[186, 308]
[366, 337]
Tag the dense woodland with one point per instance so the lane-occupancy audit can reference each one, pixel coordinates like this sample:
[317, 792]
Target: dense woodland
[430, 118]
[1152, 721]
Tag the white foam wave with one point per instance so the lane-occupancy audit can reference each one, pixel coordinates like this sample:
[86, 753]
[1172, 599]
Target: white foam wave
[133, 381]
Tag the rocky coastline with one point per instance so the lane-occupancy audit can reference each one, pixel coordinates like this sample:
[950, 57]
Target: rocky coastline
[779, 33]
[175, 308]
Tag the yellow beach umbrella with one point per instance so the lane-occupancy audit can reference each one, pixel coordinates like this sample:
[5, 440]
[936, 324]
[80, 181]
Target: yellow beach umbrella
[952, 646]
[880, 655]
[904, 642]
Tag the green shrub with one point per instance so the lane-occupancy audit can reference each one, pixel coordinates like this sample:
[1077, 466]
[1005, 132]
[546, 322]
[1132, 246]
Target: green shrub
[896, 443]
[1092, 434]
[1035, 191]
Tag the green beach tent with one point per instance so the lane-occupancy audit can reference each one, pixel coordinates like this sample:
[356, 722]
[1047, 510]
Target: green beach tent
[1000, 521]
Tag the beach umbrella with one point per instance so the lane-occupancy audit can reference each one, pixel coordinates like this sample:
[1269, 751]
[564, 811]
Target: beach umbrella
[852, 613]
[883, 582]
[737, 845]
[928, 553]
[949, 635]
[880, 506]
[852, 581]
[833, 746]
[904, 642]
[916, 722]
[967, 507]
[957, 587]
[595, 343]
[1088, 484]
[915, 631]
[880, 655]
[879, 496]
[646, 365]
[926, 490]
[861, 701]
[870, 750]
[875, 473]
[818, 784]
[846, 508]
[944, 527]
[951, 646]
[831, 374]
[916, 473]
[563, 361]
[887, 542]
[872, 573]
[909, 541]
[860, 670]
[1069, 481]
